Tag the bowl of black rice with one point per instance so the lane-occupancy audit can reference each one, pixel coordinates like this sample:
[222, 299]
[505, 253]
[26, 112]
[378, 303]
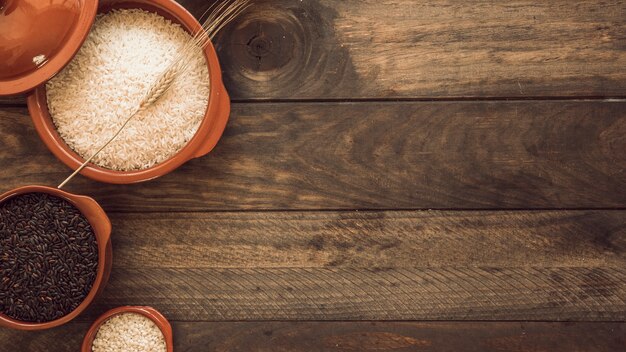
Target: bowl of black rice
[55, 256]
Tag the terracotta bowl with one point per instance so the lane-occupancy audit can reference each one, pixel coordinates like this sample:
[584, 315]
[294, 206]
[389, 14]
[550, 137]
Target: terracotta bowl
[38, 38]
[102, 230]
[202, 143]
[148, 312]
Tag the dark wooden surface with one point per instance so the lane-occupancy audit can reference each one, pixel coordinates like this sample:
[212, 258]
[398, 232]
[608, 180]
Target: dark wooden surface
[360, 336]
[438, 49]
[396, 176]
[409, 155]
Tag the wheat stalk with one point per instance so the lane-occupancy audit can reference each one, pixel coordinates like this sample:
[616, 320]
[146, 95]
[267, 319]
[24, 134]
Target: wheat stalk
[220, 15]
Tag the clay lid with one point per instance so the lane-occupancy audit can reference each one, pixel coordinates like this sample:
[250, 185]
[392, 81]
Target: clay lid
[38, 38]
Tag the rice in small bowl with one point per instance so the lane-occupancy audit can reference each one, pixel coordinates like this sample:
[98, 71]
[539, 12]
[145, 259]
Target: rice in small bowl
[129, 329]
[129, 45]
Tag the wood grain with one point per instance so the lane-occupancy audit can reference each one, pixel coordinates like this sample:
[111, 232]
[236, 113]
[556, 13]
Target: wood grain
[265, 227]
[419, 155]
[354, 336]
[389, 239]
[511, 337]
[372, 49]
[12, 101]
[444, 293]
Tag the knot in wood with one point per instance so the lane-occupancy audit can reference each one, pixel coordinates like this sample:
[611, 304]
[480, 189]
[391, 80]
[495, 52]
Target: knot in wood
[279, 49]
[259, 46]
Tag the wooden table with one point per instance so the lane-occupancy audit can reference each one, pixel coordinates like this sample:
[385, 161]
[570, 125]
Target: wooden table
[396, 176]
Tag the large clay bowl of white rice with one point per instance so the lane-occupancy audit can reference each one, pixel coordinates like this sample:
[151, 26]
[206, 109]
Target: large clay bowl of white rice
[130, 43]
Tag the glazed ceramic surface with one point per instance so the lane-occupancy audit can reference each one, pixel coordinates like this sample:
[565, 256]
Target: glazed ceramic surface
[38, 38]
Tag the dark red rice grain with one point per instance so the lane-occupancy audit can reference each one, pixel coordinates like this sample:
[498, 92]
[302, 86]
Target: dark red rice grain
[48, 257]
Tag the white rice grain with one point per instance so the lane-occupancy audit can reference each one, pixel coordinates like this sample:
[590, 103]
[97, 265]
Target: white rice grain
[129, 332]
[123, 55]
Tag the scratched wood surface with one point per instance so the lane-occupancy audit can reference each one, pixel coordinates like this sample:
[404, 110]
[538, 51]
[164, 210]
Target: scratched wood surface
[392, 265]
[358, 336]
[409, 155]
[371, 239]
[396, 176]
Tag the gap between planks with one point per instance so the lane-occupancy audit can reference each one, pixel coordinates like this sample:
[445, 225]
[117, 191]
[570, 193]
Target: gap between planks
[21, 101]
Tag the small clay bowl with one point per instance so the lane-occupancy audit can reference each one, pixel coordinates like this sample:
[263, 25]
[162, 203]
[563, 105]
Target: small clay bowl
[205, 139]
[149, 312]
[102, 229]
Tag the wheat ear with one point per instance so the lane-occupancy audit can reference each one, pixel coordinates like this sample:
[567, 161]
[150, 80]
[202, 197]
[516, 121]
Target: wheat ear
[156, 91]
[219, 17]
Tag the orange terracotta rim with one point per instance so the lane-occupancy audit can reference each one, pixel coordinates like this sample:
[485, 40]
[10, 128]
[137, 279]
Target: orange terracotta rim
[101, 225]
[149, 312]
[208, 134]
[22, 84]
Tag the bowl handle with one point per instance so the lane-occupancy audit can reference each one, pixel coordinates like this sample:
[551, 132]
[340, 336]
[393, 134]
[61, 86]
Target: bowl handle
[221, 118]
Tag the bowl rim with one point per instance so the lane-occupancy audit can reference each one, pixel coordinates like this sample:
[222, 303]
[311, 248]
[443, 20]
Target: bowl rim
[101, 226]
[161, 322]
[208, 133]
[61, 58]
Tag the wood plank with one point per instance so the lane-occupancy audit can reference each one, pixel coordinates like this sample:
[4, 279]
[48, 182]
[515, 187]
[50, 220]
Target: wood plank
[389, 239]
[413, 155]
[371, 265]
[18, 100]
[446, 293]
[372, 49]
[351, 336]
